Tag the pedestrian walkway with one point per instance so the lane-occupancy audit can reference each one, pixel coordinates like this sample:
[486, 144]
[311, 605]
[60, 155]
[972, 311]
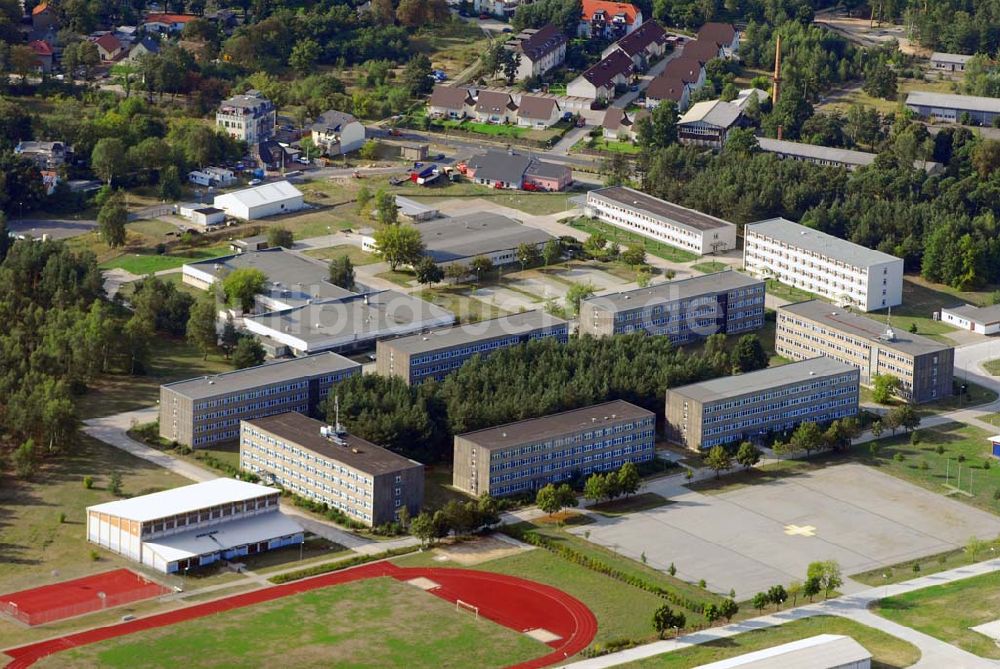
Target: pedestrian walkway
[935, 654]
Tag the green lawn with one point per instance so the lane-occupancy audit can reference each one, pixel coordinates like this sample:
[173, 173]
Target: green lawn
[174, 359]
[490, 129]
[887, 651]
[625, 238]
[975, 395]
[786, 292]
[38, 549]
[600, 143]
[539, 204]
[561, 536]
[633, 504]
[710, 267]
[948, 611]
[437, 487]
[458, 301]
[904, 571]
[920, 300]
[375, 623]
[145, 263]
[992, 366]
[357, 256]
[956, 440]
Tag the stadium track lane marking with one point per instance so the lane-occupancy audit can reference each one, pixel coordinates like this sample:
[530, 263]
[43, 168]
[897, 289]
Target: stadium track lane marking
[510, 601]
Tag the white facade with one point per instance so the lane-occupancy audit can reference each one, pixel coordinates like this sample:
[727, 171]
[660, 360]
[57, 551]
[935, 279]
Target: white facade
[249, 117]
[661, 221]
[261, 201]
[166, 530]
[841, 271]
[981, 320]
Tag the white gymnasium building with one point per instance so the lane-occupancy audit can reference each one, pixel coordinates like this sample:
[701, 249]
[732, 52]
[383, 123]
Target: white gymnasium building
[661, 221]
[194, 525]
[841, 271]
[270, 199]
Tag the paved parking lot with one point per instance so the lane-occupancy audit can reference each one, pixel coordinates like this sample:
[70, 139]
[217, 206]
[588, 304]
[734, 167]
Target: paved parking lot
[753, 537]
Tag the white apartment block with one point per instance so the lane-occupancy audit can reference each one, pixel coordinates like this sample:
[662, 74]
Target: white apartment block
[661, 221]
[249, 117]
[841, 271]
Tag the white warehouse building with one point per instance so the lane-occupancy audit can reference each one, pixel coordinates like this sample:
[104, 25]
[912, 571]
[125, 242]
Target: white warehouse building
[981, 320]
[271, 199]
[841, 271]
[194, 525]
[661, 221]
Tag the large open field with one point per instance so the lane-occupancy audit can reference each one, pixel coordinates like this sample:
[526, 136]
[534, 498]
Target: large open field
[948, 611]
[622, 611]
[375, 623]
[888, 652]
[37, 547]
[174, 359]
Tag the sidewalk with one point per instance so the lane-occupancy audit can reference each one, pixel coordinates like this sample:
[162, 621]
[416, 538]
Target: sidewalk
[935, 654]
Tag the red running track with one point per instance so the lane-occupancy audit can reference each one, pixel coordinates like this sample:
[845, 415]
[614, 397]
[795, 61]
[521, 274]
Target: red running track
[514, 602]
[79, 596]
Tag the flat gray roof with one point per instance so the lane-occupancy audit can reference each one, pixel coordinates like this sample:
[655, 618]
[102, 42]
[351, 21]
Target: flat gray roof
[862, 326]
[375, 314]
[808, 239]
[355, 452]
[671, 291]
[514, 324]
[291, 276]
[657, 208]
[482, 233]
[832, 154]
[982, 315]
[772, 377]
[272, 372]
[950, 101]
[537, 429]
[944, 57]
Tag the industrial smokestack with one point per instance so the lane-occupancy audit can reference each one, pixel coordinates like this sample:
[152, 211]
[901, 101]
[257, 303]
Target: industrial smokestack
[776, 88]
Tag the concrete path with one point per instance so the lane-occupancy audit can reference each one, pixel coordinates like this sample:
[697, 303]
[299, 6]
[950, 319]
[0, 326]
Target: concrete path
[935, 654]
[113, 430]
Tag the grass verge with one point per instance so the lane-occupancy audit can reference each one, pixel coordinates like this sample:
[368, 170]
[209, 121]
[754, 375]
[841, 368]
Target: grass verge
[625, 238]
[887, 651]
[633, 504]
[948, 611]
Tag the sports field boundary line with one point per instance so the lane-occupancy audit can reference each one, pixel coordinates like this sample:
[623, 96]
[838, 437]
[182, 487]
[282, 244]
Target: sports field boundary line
[548, 599]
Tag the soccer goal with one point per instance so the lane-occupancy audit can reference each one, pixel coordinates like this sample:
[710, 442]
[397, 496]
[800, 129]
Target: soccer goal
[459, 605]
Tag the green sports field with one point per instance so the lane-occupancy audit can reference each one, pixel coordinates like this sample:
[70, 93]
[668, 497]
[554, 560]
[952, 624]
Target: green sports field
[376, 623]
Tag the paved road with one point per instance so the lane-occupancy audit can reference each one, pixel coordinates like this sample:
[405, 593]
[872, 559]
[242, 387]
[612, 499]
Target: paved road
[935, 654]
[55, 228]
[653, 72]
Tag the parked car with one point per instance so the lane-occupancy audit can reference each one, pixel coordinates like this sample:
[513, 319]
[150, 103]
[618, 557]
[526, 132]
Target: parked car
[484, 16]
[255, 182]
[634, 88]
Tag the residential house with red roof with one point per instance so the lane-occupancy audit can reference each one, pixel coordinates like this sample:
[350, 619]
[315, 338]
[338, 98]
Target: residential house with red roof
[167, 23]
[540, 50]
[599, 81]
[610, 20]
[109, 47]
[43, 53]
[678, 81]
[724, 34]
[643, 45]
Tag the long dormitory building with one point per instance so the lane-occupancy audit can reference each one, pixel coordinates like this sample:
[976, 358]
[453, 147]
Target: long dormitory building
[661, 221]
[745, 407]
[686, 310]
[435, 354]
[207, 410]
[367, 482]
[924, 367]
[527, 455]
[822, 264]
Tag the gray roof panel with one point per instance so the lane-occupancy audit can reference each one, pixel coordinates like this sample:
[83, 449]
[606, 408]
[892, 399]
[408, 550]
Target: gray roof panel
[661, 209]
[808, 239]
[515, 324]
[773, 377]
[672, 291]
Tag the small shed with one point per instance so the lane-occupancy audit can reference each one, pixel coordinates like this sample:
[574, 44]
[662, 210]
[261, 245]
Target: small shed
[413, 151]
[995, 445]
[208, 216]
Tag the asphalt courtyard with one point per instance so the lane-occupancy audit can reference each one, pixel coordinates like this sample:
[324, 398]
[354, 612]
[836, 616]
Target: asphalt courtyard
[753, 537]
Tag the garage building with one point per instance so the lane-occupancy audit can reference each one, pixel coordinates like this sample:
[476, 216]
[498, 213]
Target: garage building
[194, 525]
[279, 197]
[981, 320]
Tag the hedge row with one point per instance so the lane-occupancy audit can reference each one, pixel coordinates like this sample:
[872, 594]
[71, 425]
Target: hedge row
[327, 567]
[602, 567]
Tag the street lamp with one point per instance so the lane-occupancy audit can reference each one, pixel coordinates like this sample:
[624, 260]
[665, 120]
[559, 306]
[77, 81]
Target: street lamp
[885, 580]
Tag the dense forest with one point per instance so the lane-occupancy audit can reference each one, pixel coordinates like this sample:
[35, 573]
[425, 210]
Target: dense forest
[943, 225]
[527, 381]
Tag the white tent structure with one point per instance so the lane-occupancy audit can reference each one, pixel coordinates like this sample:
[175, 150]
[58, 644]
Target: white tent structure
[271, 199]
